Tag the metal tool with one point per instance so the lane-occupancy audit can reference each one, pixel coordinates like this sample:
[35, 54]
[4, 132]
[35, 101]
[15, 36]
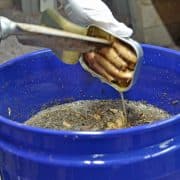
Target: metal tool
[54, 39]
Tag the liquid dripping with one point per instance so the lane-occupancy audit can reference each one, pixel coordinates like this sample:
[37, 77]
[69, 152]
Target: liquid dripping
[124, 109]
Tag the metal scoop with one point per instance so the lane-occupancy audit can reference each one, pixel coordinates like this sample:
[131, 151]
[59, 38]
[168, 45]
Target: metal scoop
[55, 39]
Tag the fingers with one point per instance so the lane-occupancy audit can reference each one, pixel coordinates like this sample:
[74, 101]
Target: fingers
[125, 52]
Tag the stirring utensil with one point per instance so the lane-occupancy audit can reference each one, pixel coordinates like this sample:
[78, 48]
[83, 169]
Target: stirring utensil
[55, 39]
[29, 34]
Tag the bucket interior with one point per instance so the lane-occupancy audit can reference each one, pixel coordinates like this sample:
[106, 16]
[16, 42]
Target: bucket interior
[38, 80]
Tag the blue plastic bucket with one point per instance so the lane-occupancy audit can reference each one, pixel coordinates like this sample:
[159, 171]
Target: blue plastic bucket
[142, 152]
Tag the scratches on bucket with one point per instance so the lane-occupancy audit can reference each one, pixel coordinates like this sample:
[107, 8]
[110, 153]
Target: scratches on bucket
[166, 143]
[96, 162]
[160, 149]
[9, 111]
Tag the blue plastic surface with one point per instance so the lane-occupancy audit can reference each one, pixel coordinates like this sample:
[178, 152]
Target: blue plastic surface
[143, 152]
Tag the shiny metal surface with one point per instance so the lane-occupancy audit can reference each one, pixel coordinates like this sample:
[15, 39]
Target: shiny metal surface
[7, 27]
[49, 37]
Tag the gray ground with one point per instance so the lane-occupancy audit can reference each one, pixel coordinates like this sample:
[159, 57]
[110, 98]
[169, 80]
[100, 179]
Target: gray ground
[10, 47]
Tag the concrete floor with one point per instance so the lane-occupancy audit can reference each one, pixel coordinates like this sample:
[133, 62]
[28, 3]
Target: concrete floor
[10, 47]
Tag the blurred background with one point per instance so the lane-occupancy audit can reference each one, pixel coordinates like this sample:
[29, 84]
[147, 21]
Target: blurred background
[154, 21]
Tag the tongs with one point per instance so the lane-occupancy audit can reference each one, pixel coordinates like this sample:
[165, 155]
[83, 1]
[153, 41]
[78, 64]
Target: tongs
[55, 39]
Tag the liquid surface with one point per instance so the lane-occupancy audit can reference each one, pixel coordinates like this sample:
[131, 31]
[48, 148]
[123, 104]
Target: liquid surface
[96, 115]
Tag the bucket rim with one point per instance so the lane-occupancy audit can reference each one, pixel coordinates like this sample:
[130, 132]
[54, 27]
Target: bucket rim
[163, 123]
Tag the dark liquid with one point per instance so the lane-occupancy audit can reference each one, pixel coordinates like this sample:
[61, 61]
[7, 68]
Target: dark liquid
[97, 115]
[124, 110]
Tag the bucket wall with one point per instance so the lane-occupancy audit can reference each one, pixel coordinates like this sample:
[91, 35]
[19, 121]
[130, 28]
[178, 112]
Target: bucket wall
[39, 79]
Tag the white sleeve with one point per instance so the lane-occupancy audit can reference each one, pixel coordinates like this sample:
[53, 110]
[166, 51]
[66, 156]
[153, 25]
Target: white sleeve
[88, 12]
